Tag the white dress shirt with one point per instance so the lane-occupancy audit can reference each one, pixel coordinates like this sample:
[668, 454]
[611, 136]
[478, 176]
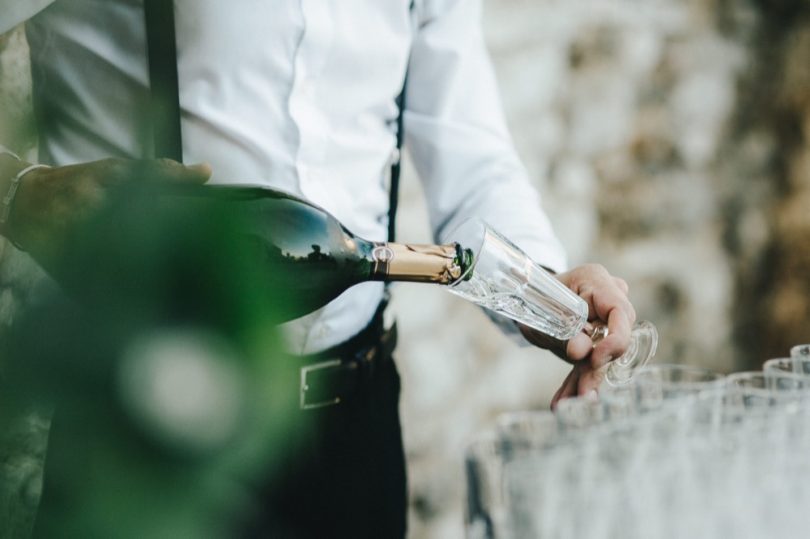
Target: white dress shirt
[297, 95]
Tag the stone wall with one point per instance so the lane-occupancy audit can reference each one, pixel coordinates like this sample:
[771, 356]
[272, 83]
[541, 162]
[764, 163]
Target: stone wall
[767, 157]
[669, 141]
[668, 138]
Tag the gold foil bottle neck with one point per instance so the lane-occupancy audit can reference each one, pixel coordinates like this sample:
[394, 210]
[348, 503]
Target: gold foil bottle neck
[416, 263]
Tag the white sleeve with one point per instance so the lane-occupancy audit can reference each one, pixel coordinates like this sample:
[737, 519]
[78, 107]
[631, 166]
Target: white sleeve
[13, 12]
[456, 132]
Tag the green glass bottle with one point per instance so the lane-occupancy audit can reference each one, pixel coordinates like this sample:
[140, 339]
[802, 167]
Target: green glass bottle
[308, 254]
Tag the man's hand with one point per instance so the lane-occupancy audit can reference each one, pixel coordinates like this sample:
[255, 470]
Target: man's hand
[607, 302]
[52, 201]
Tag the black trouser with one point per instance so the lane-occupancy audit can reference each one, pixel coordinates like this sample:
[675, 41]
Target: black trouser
[347, 479]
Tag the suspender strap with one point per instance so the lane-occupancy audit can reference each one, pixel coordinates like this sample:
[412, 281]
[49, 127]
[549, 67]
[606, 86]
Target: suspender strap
[396, 166]
[165, 98]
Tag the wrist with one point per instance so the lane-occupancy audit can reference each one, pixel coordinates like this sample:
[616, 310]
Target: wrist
[13, 172]
[10, 166]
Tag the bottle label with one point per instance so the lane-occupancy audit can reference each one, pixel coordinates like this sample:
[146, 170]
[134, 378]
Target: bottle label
[416, 263]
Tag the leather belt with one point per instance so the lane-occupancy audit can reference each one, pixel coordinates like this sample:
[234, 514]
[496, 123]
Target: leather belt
[336, 375]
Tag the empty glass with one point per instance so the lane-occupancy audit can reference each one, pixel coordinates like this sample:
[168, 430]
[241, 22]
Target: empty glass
[772, 382]
[800, 354]
[538, 456]
[618, 402]
[798, 364]
[677, 452]
[579, 413]
[486, 507]
[800, 351]
[504, 279]
[759, 389]
[528, 429]
[778, 364]
[657, 384]
[518, 436]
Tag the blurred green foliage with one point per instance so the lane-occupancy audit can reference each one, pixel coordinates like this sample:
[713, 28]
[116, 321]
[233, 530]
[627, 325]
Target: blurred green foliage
[162, 370]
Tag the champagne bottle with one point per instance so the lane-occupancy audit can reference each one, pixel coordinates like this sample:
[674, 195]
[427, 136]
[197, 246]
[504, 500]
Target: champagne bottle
[308, 254]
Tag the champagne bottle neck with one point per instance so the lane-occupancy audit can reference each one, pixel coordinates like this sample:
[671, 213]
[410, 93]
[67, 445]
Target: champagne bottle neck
[441, 264]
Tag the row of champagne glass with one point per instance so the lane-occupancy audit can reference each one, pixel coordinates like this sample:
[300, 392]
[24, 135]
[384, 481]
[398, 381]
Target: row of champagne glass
[678, 452]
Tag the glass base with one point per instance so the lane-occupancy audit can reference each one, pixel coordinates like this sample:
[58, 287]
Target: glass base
[643, 344]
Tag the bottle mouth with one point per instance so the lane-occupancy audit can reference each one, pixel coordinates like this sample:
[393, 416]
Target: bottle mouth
[467, 260]
[468, 237]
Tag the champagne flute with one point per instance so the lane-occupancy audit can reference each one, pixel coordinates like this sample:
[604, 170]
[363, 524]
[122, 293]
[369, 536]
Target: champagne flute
[504, 279]
[800, 352]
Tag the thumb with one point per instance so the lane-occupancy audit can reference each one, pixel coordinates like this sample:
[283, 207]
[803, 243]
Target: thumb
[200, 172]
[173, 171]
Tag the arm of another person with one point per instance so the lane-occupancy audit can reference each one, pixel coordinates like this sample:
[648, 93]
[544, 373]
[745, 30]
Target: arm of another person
[464, 155]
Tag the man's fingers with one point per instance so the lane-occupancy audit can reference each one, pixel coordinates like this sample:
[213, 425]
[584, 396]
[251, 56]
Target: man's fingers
[172, 171]
[615, 343]
[579, 347]
[542, 340]
[589, 382]
[600, 289]
[177, 172]
[555, 399]
[567, 389]
[200, 173]
[607, 299]
[610, 304]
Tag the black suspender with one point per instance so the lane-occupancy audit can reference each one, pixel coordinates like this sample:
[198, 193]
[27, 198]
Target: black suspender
[396, 165]
[164, 105]
[164, 108]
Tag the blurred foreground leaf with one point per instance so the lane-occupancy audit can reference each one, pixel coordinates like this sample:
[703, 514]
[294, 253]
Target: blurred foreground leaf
[163, 372]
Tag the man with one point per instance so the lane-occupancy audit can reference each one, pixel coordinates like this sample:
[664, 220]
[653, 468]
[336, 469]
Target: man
[301, 96]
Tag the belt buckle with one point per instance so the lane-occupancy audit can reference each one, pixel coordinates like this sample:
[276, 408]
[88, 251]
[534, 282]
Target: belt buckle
[304, 387]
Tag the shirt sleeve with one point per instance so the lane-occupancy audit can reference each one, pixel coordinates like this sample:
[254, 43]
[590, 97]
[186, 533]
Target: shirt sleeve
[457, 135]
[13, 12]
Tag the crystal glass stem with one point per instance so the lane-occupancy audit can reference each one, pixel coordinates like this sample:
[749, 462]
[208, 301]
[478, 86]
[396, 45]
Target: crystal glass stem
[642, 347]
[502, 278]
